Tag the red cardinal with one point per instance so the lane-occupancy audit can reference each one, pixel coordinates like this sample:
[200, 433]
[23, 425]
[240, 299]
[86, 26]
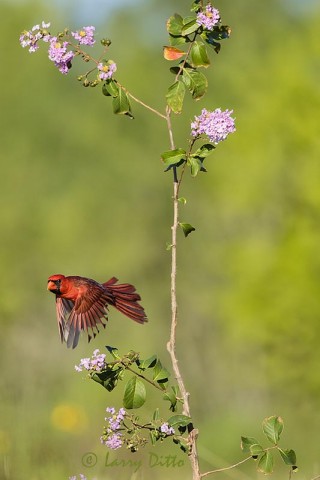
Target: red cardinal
[82, 304]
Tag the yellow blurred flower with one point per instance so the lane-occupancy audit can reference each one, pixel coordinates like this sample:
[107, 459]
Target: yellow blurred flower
[69, 418]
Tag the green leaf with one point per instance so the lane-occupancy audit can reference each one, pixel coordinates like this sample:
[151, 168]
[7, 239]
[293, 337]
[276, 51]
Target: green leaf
[135, 393]
[195, 82]
[113, 351]
[256, 449]
[179, 421]
[190, 26]
[110, 88]
[154, 436]
[172, 397]
[121, 104]
[195, 6]
[108, 379]
[156, 415]
[160, 374]
[175, 96]
[173, 157]
[199, 55]
[265, 464]
[289, 457]
[187, 228]
[182, 200]
[148, 363]
[218, 33]
[175, 70]
[272, 428]
[204, 151]
[175, 24]
[246, 443]
[177, 40]
[195, 164]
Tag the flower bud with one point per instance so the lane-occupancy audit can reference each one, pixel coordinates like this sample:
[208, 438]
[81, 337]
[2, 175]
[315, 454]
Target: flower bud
[106, 42]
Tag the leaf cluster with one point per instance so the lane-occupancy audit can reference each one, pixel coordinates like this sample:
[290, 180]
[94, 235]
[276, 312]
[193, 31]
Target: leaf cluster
[272, 428]
[120, 99]
[149, 371]
[185, 31]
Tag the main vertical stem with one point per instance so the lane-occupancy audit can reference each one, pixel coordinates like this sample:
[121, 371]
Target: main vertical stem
[171, 345]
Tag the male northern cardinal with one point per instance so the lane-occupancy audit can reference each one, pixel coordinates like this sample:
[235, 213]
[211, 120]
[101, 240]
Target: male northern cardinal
[82, 304]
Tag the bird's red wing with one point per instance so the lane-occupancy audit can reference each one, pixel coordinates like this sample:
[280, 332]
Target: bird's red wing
[89, 310]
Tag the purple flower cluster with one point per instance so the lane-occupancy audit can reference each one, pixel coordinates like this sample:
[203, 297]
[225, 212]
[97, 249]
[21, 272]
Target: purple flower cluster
[96, 362]
[111, 436]
[30, 38]
[59, 54]
[58, 49]
[106, 70]
[164, 428]
[209, 18]
[216, 125]
[85, 36]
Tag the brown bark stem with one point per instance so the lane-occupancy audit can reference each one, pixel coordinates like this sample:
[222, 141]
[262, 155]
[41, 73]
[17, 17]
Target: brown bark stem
[171, 345]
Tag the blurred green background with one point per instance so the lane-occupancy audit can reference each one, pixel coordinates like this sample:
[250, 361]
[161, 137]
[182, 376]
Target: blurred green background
[83, 192]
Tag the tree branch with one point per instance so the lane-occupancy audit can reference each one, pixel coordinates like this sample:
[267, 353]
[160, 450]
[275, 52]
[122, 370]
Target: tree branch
[171, 345]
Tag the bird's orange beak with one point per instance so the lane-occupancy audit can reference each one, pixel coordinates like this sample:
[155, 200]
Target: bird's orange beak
[51, 285]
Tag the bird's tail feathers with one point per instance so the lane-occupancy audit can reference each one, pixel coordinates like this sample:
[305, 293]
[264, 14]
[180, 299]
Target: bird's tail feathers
[126, 300]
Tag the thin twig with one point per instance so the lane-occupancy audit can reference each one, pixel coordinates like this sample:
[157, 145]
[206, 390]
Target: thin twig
[146, 379]
[223, 469]
[141, 102]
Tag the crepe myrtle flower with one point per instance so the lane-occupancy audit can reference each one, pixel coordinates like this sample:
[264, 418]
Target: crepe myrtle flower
[216, 125]
[164, 428]
[85, 36]
[208, 18]
[115, 419]
[59, 54]
[113, 441]
[96, 362]
[111, 437]
[30, 38]
[106, 70]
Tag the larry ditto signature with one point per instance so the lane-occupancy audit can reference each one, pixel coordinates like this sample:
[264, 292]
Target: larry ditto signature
[90, 459]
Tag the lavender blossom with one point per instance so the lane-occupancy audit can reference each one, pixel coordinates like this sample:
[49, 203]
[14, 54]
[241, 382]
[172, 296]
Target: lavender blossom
[106, 70]
[96, 362]
[115, 419]
[59, 55]
[113, 441]
[164, 428]
[85, 36]
[111, 436]
[30, 38]
[209, 18]
[216, 125]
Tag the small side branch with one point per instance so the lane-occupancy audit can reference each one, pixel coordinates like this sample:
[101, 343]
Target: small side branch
[223, 469]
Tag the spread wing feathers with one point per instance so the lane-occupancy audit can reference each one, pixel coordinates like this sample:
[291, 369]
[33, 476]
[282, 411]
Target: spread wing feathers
[63, 309]
[125, 299]
[83, 314]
